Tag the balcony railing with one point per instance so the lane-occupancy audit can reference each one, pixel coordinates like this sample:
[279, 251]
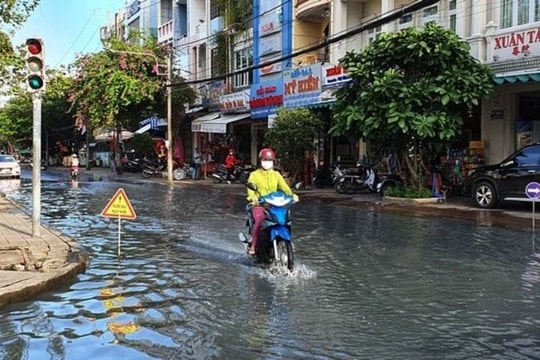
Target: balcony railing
[166, 32]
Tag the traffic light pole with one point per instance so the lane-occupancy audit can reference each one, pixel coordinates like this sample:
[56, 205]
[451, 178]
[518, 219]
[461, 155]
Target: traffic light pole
[36, 166]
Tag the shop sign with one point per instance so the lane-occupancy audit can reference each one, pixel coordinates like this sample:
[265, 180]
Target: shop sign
[270, 22]
[269, 66]
[133, 8]
[234, 103]
[270, 44]
[514, 45]
[212, 93]
[302, 86]
[265, 98]
[334, 76]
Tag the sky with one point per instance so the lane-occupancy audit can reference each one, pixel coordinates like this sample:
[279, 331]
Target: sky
[68, 27]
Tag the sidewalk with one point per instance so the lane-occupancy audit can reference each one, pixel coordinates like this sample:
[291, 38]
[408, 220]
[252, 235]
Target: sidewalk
[28, 265]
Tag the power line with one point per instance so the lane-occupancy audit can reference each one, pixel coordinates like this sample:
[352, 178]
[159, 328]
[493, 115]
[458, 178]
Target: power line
[393, 15]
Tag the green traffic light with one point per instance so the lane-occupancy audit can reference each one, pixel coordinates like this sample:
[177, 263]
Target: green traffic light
[35, 82]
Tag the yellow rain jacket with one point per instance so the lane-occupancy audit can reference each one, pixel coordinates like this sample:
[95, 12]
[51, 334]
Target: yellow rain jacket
[267, 181]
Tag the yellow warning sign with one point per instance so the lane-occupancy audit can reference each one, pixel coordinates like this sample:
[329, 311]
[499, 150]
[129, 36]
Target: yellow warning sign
[119, 207]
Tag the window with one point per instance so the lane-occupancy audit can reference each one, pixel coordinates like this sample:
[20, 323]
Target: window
[374, 33]
[430, 15]
[216, 66]
[405, 21]
[243, 58]
[452, 15]
[214, 9]
[519, 12]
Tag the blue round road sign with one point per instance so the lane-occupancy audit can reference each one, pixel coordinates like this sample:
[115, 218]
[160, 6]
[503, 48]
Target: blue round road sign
[533, 190]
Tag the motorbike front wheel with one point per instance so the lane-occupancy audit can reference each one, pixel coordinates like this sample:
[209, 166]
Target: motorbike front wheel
[179, 174]
[285, 255]
[341, 187]
[146, 173]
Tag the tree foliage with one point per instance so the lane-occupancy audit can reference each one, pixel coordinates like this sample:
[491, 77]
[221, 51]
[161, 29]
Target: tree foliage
[13, 13]
[293, 134]
[410, 91]
[125, 83]
[118, 83]
[16, 123]
[17, 116]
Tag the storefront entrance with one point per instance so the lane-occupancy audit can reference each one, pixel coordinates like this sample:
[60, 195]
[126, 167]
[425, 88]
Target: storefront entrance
[528, 119]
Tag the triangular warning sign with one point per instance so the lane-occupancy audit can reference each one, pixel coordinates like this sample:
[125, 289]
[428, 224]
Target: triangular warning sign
[119, 207]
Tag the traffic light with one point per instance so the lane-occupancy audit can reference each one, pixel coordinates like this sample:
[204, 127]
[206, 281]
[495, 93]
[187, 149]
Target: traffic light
[35, 64]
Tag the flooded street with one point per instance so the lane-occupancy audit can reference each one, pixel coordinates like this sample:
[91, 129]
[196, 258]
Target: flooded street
[367, 285]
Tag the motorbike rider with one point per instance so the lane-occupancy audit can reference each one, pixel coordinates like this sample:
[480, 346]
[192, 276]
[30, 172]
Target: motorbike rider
[74, 165]
[267, 180]
[231, 161]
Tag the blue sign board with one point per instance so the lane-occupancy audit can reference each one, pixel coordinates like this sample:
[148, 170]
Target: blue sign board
[533, 190]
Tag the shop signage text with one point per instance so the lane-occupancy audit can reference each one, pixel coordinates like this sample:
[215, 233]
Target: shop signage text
[266, 98]
[511, 45]
[302, 86]
[234, 103]
[334, 77]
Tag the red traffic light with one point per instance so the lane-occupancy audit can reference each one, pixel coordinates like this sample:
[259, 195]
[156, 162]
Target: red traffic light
[34, 46]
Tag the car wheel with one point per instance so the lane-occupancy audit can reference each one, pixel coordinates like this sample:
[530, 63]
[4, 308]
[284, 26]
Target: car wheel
[485, 195]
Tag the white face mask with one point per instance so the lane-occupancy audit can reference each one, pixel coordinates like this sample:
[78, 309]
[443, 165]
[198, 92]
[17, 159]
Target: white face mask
[267, 164]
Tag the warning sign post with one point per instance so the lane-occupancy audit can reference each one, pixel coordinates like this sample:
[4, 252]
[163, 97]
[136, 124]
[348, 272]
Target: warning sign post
[119, 207]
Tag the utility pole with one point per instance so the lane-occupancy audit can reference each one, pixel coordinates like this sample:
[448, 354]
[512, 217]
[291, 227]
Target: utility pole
[36, 166]
[169, 116]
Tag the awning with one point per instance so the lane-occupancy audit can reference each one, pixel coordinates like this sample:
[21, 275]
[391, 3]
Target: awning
[320, 105]
[144, 129]
[194, 110]
[216, 123]
[501, 79]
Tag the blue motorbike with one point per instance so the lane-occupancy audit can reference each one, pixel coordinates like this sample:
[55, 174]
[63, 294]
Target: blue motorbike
[275, 241]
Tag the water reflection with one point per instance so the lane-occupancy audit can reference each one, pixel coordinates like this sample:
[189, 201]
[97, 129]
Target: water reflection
[10, 185]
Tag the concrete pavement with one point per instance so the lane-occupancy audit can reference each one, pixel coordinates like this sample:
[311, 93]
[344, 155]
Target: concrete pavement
[29, 266]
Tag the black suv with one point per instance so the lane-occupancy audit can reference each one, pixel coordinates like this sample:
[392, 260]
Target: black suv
[507, 180]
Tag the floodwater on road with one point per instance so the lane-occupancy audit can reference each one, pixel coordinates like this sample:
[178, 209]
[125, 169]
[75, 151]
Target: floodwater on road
[367, 285]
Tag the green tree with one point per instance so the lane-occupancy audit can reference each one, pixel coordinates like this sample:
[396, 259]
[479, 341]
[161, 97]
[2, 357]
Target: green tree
[16, 123]
[13, 13]
[143, 145]
[119, 83]
[16, 118]
[293, 134]
[409, 93]
[125, 83]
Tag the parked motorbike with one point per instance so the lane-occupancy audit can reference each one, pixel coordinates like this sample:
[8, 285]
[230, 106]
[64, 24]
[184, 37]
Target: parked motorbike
[151, 168]
[132, 165]
[365, 178]
[188, 170]
[240, 173]
[324, 176]
[275, 241]
[388, 181]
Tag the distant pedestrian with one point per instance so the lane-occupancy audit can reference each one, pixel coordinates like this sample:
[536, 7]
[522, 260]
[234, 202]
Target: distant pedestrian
[197, 163]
